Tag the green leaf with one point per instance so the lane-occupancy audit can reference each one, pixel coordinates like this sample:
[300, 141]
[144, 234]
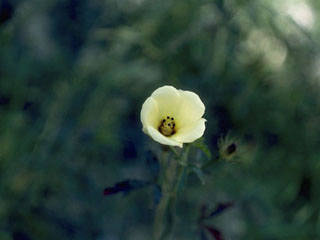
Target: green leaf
[203, 147]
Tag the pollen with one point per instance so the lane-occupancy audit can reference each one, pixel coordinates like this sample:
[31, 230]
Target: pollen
[167, 126]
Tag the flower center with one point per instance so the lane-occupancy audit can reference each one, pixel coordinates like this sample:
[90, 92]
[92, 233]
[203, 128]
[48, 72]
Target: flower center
[167, 126]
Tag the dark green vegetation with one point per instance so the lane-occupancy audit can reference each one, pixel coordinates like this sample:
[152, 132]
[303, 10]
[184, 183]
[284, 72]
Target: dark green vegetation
[73, 77]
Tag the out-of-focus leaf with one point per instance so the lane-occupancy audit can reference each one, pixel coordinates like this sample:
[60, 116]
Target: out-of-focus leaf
[125, 187]
[202, 234]
[157, 193]
[203, 147]
[6, 11]
[203, 211]
[200, 174]
[219, 209]
[214, 233]
[152, 163]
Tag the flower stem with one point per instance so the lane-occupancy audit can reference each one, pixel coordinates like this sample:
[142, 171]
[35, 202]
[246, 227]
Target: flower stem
[184, 163]
[164, 212]
[211, 162]
[170, 186]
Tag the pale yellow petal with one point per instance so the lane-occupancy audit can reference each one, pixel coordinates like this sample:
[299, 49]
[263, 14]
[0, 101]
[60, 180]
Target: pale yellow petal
[158, 137]
[191, 132]
[149, 114]
[191, 109]
[168, 99]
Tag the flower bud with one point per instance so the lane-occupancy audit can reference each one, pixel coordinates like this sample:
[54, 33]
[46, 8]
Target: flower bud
[227, 148]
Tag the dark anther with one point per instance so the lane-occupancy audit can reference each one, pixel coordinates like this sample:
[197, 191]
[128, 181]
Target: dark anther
[172, 118]
[174, 124]
[168, 117]
[163, 120]
[169, 124]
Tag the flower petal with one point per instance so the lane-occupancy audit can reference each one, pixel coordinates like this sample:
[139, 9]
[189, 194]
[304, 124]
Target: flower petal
[191, 132]
[191, 108]
[149, 113]
[168, 99]
[157, 136]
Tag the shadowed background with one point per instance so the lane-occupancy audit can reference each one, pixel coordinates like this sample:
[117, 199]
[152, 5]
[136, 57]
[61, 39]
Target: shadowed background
[73, 77]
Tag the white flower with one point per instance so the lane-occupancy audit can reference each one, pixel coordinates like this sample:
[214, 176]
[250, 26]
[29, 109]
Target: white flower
[173, 117]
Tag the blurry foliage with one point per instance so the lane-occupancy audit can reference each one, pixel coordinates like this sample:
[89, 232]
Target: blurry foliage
[73, 76]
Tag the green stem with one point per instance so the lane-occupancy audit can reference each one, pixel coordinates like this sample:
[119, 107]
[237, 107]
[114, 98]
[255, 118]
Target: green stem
[211, 162]
[184, 163]
[164, 216]
[164, 212]
[175, 152]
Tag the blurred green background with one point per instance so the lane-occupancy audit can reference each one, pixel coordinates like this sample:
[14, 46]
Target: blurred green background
[73, 77]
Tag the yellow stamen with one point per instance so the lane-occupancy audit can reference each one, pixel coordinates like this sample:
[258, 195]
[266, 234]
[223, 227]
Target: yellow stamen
[167, 126]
